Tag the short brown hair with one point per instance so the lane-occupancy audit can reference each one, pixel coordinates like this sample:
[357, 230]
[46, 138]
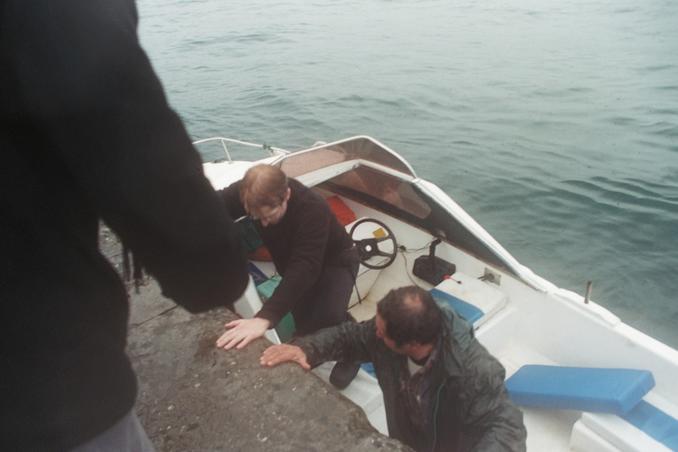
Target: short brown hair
[263, 186]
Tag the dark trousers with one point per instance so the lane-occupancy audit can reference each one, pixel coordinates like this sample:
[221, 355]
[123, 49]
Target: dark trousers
[326, 303]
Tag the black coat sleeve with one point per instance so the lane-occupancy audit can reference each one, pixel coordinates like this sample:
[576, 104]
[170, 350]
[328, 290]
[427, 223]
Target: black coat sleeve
[349, 341]
[86, 82]
[305, 263]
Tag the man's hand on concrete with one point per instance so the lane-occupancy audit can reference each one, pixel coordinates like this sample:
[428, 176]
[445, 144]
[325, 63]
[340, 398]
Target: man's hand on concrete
[276, 354]
[242, 332]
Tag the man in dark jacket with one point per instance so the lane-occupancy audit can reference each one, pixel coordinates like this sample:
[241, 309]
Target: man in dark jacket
[442, 390]
[310, 249]
[87, 135]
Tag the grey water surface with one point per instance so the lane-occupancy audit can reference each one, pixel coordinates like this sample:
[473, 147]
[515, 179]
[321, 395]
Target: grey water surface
[553, 123]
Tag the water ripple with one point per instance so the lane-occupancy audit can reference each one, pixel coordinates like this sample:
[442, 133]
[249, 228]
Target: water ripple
[555, 124]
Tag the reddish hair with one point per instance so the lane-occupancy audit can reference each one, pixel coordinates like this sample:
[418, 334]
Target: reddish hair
[263, 186]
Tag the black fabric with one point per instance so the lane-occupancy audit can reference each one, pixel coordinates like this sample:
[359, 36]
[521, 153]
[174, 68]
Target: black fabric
[326, 303]
[306, 242]
[469, 409]
[86, 135]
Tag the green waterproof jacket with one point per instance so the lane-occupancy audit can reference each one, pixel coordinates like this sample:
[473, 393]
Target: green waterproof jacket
[469, 406]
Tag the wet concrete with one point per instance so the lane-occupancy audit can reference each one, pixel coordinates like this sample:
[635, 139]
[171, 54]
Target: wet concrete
[194, 397]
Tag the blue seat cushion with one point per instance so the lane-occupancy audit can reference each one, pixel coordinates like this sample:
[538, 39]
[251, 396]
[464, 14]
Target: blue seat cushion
[369, 368]
[601, 390]
[655, 423]
[468, 311]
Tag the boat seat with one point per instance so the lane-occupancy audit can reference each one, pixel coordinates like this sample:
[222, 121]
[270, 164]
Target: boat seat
[603, 432]
[476, 301]
[611, 398]
[602, 390]
[655, 422]
[612, 402]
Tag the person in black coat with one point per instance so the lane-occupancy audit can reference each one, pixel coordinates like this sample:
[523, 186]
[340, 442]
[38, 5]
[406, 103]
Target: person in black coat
[443, 391]
[86, 136]
[310, 249]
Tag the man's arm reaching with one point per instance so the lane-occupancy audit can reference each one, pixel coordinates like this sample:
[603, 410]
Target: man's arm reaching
[283, 353]
[349, 342]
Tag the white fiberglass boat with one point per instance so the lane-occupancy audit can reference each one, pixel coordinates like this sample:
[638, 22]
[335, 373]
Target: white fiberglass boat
[584, 380]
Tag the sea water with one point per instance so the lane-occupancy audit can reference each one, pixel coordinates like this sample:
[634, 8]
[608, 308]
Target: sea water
[554, 124]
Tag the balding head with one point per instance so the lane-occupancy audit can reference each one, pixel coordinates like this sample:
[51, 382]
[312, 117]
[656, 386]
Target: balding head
[410, 315]
[263, 186]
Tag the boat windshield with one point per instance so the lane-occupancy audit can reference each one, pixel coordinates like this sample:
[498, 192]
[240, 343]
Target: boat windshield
[359, 148]
[367, 184]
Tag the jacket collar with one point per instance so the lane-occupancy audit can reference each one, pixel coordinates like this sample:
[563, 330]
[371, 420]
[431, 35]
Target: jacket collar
[455, 337]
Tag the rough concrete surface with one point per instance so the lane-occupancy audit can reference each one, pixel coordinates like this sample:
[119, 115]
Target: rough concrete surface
[195, 397]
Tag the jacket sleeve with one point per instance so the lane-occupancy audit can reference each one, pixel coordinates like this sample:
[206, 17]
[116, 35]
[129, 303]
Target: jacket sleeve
[231, 197]
[492, 422]
[86, 81]
[348, 341]
[305, 263]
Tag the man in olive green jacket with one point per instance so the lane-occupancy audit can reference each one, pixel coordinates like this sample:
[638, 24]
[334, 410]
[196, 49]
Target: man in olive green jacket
[442, 390]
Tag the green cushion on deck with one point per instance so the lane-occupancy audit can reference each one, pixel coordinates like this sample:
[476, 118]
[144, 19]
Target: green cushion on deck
[285, 328]
[249, 235]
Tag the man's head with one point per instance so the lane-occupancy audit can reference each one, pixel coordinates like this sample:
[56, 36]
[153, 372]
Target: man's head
[409, 321]
[264, 192]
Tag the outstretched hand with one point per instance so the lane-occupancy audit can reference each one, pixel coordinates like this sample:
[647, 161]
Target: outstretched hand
[282, 353]
[242, 332]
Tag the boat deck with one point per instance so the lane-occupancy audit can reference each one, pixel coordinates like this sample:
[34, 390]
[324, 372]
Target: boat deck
[522, 325]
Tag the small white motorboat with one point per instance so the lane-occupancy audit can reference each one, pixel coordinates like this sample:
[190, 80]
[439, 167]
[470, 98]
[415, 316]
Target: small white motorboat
[584, 380]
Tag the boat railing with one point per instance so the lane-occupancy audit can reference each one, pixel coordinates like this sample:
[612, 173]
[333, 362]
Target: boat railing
[226, 142]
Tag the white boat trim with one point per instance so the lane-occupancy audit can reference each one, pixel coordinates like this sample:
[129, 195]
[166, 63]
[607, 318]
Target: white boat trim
[536, 323]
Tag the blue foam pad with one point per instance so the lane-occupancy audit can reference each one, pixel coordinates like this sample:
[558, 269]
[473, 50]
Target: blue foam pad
[655, 423]
[599, 390]
[257, 275]
[466, 310]
[369, 368]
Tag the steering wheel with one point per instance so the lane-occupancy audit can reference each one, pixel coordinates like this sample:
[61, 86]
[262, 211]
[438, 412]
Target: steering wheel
[376, 245]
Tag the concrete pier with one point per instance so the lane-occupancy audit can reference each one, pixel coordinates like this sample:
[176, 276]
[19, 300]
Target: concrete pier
[195, 397]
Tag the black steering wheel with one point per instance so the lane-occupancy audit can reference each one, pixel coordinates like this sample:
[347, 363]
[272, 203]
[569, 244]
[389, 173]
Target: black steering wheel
[374, 246]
